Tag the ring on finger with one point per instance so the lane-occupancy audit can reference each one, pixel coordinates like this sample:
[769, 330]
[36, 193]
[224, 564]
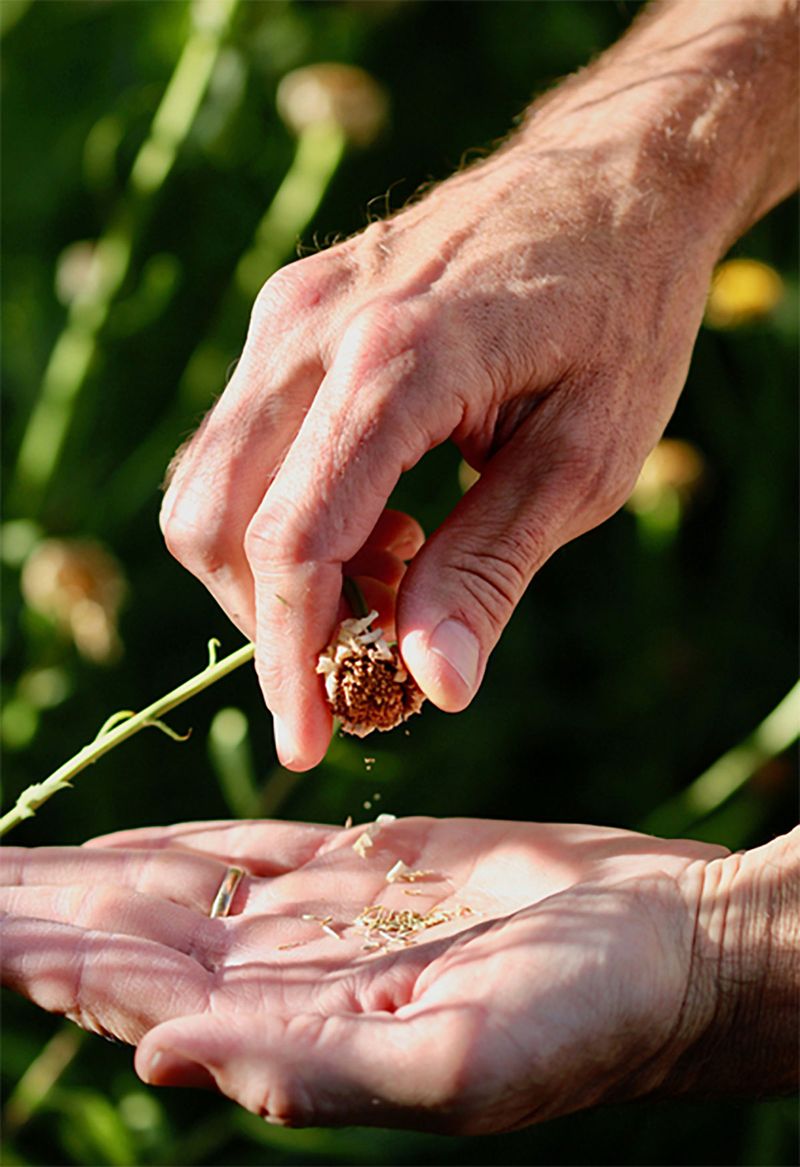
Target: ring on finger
[226, 891]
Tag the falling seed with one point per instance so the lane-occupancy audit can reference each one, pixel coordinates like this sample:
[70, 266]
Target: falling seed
[362, 845]
[367, 805]
[364, 842]
[377, 796]
[348, 822]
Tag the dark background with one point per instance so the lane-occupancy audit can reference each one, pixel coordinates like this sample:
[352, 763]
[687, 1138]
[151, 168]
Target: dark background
[640, 654]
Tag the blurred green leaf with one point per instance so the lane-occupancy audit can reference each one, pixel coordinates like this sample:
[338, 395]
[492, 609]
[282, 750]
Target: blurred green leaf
[92, 1128]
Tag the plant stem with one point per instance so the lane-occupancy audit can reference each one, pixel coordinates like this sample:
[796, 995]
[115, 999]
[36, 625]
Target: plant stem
[730, 772]
[319, 151]
[355, 597]
[75, 349]
[33, 1088]
[32, 798]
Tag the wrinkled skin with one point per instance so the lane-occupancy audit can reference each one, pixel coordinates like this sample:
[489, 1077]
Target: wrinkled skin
[539, 310]
[568, 984]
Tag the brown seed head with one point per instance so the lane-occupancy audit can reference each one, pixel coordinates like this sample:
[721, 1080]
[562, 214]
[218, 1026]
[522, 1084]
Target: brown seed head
[369, 695]
[366, 682]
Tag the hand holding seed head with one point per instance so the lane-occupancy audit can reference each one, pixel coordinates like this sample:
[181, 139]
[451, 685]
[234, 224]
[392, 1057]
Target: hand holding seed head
[521, 344]
[537, 309]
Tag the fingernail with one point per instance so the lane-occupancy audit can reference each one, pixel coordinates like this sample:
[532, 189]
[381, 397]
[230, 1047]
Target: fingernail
[284, 742]
[454, 642]
[166, 1068]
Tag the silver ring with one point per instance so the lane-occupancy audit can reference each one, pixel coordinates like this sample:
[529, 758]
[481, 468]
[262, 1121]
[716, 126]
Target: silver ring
[227, 889]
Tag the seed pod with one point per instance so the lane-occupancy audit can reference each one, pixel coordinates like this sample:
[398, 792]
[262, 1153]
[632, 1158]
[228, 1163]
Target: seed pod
[367, 685]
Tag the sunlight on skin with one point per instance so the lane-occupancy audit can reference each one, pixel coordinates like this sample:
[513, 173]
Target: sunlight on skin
[563, 939]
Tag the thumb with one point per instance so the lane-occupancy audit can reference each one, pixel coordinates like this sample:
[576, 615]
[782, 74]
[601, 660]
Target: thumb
[460, 590]
[316, 1070]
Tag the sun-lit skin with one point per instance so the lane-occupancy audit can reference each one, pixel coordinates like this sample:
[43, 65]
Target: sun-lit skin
[579, 965]
[539, 309]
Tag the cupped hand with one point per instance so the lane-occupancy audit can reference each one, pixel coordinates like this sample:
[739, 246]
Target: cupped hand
[540, 310]
[558, 977]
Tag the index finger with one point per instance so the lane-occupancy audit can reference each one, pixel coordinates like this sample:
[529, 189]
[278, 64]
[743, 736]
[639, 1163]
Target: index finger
[373, 417]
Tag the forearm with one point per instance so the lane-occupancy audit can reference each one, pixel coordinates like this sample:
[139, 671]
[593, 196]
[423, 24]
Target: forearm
[741, 1019]
[700, 100]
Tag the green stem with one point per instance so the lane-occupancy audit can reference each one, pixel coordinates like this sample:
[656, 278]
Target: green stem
[41, 1076]
[31, 799]
[319, 151]
[730, 772]
[354, 597]
[71, 359]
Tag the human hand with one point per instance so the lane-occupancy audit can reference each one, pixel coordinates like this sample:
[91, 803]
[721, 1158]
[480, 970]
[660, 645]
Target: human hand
[581, 974]
[504, 311]
[539, 309]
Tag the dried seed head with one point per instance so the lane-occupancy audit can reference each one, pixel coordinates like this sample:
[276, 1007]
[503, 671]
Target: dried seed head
[367, 684]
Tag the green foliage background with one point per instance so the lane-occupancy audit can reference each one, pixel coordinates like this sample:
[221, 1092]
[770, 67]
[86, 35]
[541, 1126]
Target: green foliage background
[636, 659]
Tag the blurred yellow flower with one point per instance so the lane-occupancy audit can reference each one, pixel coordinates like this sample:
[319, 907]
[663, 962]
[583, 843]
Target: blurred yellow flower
[79, 586]
[743, 290]
[673, 470]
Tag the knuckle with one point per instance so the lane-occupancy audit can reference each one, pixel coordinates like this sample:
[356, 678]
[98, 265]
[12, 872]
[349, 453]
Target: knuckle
[385, 329]
[275, 535]
[280, 296]
[295, 290]
[193, 541]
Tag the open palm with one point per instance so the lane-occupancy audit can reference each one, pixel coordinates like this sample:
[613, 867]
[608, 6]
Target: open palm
[555, 978]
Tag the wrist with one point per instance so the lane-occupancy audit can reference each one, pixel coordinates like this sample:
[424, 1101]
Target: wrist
[697, 107]
[738, 1030]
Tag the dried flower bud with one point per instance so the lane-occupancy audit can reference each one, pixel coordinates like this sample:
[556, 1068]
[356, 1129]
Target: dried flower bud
[333, 93]
[367, 685]
[78, 585]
